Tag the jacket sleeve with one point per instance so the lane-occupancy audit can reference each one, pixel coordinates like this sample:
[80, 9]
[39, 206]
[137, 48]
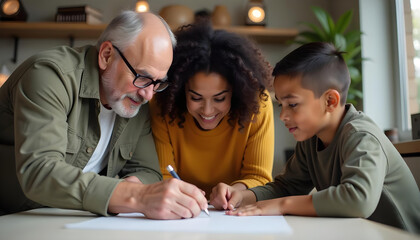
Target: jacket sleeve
[144, 164]
[42, 100]
[363, 172]
[257, 164]
[163, 144]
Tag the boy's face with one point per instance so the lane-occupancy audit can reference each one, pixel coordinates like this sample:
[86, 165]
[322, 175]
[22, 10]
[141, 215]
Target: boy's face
[302, 113]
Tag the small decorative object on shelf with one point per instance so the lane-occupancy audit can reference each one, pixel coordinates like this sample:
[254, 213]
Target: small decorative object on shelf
[12, 10]
[392, 135]
[220, 16]
[415, 125]
[84, 13]
[255, 13]
[142, 6]
[177, 15]
[4, 74]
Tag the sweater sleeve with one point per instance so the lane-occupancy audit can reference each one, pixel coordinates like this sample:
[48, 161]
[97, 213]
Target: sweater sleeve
[163, 144]
[363, 172]
[257, 163]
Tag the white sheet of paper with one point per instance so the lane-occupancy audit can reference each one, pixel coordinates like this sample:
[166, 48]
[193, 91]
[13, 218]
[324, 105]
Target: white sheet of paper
[217, 222]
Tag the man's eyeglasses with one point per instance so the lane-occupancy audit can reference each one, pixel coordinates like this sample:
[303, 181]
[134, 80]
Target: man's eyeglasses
[142, 81]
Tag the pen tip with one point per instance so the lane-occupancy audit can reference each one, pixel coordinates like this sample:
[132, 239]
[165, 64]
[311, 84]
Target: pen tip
[207, 212]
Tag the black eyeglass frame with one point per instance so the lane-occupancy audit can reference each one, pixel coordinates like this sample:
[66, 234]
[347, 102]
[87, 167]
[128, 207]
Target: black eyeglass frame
[159, 83]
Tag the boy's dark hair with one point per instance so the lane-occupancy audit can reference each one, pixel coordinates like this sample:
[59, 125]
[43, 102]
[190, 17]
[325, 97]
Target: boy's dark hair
[320, 66]
[200, 48]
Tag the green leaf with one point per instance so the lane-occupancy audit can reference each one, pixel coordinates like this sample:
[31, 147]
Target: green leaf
[358, 93]
[354, 94]
[322, 17]
[354, 73]
[331, 26]
[353, 52]
[340, 42]
[310, 37]
[353, 36]
[343, 22]
[365, 59]
[330, 31]
[317, 30]
[299, 42]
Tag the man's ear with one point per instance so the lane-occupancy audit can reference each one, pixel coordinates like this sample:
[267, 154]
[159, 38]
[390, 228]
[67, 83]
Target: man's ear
[104, 56]
[332, 99]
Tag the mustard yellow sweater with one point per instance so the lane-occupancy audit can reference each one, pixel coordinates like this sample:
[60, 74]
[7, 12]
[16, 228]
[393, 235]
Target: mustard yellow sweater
[223, 154]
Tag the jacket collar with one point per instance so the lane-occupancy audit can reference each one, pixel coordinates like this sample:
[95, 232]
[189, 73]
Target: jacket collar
[89, 84]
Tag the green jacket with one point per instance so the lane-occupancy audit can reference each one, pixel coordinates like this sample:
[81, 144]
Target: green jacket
[360, 174]
[49, 129]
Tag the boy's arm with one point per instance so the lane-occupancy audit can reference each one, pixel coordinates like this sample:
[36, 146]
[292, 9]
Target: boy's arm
[277, 197]
[294, 180]
[292, 205]
[362, 177]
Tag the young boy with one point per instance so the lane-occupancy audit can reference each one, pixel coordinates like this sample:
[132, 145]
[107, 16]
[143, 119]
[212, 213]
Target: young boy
[341, 152]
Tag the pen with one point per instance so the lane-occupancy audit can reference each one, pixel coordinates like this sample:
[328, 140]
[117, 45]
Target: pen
[175, 175]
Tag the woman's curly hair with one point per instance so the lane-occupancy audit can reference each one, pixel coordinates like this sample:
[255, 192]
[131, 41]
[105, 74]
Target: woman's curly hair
[200, 48]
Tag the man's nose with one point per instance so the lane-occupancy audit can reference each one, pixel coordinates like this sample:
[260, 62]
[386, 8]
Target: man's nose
[147, 92]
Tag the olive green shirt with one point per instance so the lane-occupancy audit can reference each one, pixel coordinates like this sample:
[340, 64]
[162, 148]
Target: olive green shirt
[360, 174]
[49, 129]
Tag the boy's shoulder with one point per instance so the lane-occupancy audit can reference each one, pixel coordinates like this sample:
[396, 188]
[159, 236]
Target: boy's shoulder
[357, 121]
[354, 126]
[357, 128]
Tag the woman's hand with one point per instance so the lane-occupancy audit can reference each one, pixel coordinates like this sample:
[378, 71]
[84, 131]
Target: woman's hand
[220, 195]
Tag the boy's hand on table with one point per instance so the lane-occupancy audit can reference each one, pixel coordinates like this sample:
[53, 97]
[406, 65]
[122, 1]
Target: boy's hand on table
[292, 205]
[267, 207]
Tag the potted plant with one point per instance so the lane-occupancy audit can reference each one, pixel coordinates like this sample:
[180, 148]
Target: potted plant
[343, 40]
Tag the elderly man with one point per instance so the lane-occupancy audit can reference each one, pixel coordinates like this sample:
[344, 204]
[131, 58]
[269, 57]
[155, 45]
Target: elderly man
[75, 129]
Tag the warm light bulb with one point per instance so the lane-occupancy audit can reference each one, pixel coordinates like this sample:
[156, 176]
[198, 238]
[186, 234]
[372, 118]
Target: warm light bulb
[11, 7]
[256, 14]
[142, 6]
[4, 74]
[3, 79]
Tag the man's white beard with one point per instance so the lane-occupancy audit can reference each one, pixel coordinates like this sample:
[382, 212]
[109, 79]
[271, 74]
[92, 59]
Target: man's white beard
[119, 108]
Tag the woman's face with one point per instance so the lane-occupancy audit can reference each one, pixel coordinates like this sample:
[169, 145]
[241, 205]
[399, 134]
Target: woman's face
[208, 98]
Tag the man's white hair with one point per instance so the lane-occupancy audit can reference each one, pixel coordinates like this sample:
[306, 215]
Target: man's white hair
[124, 29]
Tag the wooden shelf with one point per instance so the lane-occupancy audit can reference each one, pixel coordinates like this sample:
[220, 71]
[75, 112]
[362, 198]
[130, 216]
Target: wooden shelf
[83, 30]
[50, 30]
[409, 147]
[263, 34]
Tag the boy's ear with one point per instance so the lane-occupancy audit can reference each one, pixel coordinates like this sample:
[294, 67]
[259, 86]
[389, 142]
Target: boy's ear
[104, 56]
[332, 99]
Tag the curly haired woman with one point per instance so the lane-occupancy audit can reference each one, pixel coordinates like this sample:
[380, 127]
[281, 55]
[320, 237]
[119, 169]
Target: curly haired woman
[214, 123]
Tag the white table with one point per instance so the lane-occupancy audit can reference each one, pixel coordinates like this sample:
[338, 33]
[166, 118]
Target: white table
[48, 224]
